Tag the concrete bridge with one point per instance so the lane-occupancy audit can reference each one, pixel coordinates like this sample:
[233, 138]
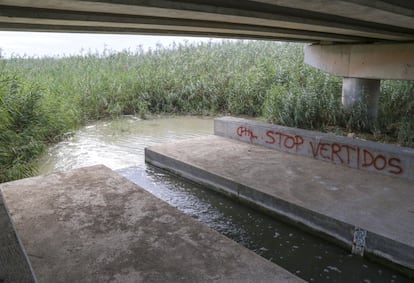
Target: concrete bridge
[361, 41]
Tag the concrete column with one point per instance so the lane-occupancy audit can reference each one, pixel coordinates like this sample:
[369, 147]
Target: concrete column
[355, 90]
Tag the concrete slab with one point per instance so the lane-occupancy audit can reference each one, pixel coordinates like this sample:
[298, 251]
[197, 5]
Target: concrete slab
[93, 225]
[331, 199]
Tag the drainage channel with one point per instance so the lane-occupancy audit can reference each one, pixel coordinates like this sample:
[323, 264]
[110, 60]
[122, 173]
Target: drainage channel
[303, 254]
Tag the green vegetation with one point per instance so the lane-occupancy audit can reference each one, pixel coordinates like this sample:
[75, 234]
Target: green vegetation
[43, 99]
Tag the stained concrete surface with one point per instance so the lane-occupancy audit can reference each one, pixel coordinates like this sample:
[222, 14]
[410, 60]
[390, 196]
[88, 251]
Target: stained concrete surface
[14, 266]
[93, 225]
[328, 198]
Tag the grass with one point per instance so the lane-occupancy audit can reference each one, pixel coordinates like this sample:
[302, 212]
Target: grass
[41, 100]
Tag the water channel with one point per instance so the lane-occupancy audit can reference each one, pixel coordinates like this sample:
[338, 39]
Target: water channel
[120, 144]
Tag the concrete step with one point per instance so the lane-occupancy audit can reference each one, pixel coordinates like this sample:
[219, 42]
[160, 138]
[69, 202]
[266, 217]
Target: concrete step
[93, 225]
[333, 200]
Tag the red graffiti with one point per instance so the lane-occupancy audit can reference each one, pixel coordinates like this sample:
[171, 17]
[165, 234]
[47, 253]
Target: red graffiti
[343, 153]
[394, 162]
[246, 132]
[332, 151]
[284, 140]
[380, 162]
[350, 155]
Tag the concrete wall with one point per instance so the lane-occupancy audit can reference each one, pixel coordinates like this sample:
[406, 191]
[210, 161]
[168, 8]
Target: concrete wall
[363, 155]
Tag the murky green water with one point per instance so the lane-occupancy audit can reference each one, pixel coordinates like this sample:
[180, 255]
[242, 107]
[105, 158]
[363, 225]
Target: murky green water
[120, 145]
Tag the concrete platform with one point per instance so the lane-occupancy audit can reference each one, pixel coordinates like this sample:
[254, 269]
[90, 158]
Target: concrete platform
[330, 199]
[93, 225]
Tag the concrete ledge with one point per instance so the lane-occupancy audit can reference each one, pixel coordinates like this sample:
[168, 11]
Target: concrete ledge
[315, 221]
[363, 155]
[325, 198]
[93, 225]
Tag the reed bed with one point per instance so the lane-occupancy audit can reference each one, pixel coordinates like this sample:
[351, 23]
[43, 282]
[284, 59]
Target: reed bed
[43, 99]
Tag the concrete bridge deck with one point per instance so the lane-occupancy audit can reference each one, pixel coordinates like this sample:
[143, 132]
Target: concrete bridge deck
[93, 225]
[294, 20]
[330, 199]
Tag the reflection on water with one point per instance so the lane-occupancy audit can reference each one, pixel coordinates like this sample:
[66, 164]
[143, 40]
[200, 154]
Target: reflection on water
[120, 144]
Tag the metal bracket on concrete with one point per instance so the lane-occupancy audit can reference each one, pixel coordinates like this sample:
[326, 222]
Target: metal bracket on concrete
[358, 243]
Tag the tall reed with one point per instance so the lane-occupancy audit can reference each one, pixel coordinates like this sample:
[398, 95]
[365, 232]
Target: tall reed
[42, 99]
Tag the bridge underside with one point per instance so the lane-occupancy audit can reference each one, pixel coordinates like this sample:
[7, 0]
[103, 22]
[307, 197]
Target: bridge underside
[327, 21]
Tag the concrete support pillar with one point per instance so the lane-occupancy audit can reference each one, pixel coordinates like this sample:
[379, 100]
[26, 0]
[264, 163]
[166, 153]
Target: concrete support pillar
[363, 66]
[355, 90]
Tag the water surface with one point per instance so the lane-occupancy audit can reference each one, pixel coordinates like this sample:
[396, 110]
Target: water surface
[120, 143]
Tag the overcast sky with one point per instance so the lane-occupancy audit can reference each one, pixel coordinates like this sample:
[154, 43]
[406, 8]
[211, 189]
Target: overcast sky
[64, 44]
